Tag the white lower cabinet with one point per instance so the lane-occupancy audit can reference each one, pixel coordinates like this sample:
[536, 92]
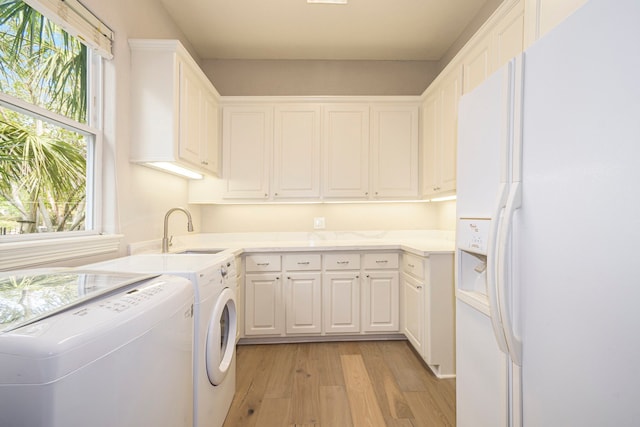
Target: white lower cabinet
[428, 309]
[341, 293]
[380, 293]
[306, 294]
[303, 293]
[303, 303]
[413, 311]
[263, 304]
[264, 308]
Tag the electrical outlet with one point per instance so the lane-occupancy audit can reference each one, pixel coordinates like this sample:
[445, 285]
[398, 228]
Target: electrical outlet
[318, 223]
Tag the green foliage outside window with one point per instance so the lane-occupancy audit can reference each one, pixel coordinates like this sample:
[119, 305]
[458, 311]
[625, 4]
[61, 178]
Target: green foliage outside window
[43, 164]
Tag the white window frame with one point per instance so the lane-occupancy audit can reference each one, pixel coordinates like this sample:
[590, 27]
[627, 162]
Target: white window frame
[38, 249]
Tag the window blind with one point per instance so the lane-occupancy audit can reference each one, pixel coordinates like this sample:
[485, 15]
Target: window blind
[78, 21]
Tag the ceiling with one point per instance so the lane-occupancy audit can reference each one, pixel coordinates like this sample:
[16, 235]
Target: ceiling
[294, 29]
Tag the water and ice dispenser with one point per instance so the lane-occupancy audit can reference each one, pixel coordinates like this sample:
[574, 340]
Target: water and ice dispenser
[472, 241]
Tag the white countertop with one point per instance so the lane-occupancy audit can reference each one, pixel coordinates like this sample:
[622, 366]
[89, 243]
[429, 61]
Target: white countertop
[419, 242]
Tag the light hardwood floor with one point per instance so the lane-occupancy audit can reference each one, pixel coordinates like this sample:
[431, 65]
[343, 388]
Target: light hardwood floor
[338, 384]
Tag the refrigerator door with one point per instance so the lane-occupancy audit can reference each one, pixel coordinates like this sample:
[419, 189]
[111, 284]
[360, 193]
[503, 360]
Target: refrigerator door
[484, 174]
[481, 371]
[579, 227]
[483, 154]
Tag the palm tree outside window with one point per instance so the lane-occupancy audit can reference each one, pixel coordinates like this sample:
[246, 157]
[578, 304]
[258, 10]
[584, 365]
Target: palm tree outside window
[47, 143]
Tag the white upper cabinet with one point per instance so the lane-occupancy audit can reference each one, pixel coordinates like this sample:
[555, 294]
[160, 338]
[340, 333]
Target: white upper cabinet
[508, 35]
[490, 49]
[440, 130]
[173, 107]
[346, 151]
[296, 168]
[543, 15]
[394, 157]
[279, 149]
[247, 140]
[477, 63]
[447, 155]
[431, 112]
[198, 121]
[498, 40]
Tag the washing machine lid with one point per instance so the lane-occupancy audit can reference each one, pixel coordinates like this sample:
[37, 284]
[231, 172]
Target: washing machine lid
[28, 296]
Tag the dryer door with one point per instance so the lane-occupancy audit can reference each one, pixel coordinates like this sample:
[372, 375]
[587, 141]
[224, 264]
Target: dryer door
[221, 337]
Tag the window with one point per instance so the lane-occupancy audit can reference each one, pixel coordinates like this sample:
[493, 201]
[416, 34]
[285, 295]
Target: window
[49, 138]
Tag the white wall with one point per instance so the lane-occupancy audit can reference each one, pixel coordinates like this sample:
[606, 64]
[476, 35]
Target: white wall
[136, 197]
[338, 217]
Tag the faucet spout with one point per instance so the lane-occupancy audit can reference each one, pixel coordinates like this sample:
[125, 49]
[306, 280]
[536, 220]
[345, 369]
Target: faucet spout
[165, 236]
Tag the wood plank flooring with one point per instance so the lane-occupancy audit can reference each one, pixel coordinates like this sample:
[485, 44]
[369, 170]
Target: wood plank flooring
[338, 384]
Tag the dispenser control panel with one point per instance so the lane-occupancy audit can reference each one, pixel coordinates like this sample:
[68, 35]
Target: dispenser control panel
[473, 234]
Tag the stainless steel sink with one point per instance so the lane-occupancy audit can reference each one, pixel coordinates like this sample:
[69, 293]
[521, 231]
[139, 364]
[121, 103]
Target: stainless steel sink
[201, 251]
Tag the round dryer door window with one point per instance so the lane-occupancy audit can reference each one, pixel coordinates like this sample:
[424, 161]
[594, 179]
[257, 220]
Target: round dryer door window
[221, 337]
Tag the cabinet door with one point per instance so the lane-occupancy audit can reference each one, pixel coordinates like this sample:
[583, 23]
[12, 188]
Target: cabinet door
[189, 113]
[303, 303]
[341, 302]
[440, 133]
[346, 151]
[431, 137]
[297, 152]
[380, 305]
[209, 146]
[247, 142]
[543, 15]
[413, 312]
[449, 122]
[509, 35]
[477, 64]
[439, 300]
[394, 151]
[264, 314]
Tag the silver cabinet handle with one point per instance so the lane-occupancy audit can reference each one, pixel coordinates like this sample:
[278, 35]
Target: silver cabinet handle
[342, 262]
[381, 261]
[263, 264]
[303, 263]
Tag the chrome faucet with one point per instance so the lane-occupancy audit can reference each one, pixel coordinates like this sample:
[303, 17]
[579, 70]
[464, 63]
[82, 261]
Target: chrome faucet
[165, 237]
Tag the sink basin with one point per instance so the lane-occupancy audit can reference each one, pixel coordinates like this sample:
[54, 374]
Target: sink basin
[201, 251]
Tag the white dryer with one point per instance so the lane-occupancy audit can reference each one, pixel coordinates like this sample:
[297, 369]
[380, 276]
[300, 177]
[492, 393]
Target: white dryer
[80, 349]
[215, 318]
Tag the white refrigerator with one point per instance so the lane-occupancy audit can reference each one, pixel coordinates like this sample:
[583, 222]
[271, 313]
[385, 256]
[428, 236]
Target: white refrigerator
[548, 231]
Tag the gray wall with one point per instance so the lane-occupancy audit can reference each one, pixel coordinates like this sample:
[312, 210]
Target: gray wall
[319, 77]
[234, 77]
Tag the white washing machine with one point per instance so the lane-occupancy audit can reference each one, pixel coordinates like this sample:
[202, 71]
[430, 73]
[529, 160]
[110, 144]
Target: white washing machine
[84, 349]
[216, 324]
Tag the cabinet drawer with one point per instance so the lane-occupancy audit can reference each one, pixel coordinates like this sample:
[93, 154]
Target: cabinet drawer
[258, 263]
[342, 262]
[302, 262]
[413, 265]
[381, 260]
